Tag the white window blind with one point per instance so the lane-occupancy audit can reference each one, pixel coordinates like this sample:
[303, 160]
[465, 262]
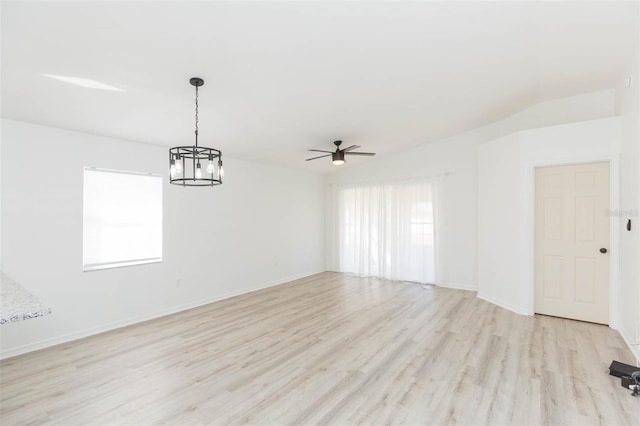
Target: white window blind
[122, 219]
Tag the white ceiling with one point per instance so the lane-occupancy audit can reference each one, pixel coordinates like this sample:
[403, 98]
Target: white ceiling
[285, 77]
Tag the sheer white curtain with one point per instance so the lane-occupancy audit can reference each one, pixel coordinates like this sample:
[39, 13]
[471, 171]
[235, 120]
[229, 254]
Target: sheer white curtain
[385, 230]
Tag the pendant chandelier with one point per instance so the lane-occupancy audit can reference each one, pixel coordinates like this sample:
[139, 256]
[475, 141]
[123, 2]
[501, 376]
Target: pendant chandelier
[195, 165]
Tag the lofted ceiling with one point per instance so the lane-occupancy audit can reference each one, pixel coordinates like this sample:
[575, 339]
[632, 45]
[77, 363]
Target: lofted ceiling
[283, 77]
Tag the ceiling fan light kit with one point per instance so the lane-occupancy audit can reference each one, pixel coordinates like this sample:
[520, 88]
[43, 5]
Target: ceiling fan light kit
[337, 157]
[185, 162]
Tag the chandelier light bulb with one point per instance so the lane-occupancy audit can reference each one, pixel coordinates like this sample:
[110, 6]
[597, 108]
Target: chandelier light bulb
[198, 171]
[172, 168]
[178, 164]
[211, 168]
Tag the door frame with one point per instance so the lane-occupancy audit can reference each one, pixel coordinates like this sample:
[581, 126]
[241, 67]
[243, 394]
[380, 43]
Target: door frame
[528, 198]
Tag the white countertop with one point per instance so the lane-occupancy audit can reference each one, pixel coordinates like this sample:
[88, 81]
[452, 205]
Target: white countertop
[17, 304]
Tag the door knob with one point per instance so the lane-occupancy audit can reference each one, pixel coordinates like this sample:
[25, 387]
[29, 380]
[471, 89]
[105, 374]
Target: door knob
[603, 250]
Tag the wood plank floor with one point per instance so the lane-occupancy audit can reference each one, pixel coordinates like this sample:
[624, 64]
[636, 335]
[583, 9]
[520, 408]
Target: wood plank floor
[328, 349]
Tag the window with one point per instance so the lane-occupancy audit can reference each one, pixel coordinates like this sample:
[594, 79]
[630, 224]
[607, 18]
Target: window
[122, 219]
[387, 229]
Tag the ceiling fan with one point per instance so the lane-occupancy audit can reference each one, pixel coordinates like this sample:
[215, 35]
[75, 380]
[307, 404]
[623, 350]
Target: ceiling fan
[337, 157]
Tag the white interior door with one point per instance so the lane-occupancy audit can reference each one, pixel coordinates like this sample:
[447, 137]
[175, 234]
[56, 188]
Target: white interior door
[572, 242]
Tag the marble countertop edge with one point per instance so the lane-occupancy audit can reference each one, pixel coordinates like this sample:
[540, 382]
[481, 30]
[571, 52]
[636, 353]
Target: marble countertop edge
[17, 303]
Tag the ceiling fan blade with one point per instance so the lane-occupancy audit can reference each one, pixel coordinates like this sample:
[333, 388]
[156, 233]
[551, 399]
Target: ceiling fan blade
[320, 150]
[360, 153]
[352, 147]
[315, 158]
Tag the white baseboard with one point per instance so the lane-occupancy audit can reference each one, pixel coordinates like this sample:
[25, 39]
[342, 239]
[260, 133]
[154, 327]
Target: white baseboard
[503, 304]
[633, 344]
[458, 286]
[8, 353]
[455, 286]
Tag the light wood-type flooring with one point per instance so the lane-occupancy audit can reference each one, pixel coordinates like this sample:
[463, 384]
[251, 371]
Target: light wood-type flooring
[329, 349]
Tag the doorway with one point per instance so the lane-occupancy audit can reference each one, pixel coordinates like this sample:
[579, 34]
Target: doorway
[572, 241]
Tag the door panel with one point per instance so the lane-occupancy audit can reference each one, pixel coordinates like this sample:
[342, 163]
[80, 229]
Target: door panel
[572, 225]
[553, 218]
[585, 273]
[553, 276]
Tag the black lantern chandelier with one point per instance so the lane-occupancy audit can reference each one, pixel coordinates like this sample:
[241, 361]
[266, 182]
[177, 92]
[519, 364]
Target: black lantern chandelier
[186, 162]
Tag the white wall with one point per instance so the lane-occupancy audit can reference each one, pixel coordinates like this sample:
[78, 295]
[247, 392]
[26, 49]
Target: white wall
[628, 106]
[507, 167]
[263, 226]
[499, 221]
[457, 156]
[1, 149]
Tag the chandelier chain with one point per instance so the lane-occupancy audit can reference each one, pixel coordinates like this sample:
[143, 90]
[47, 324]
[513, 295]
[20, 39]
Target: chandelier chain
[196, 115]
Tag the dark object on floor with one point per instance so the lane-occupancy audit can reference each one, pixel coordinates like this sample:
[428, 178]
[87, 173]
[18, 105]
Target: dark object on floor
[627, 381]
[620, 369]
[629, 376]
[635, 386]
